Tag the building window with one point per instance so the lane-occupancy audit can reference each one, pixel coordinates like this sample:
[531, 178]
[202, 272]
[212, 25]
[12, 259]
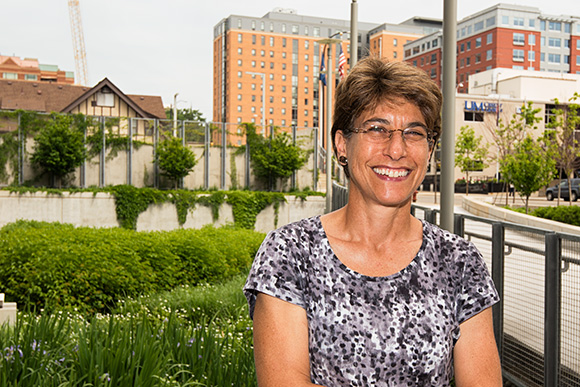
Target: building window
[253, 24]
[518, 21]
[316, 31]
[239, 51]
[305, 112]
[469, 45]
[462, 62]
[271, 42]
[422, 61]
[253, 52]
[567, 59]
[305, 90]
[283, 89]
[271, 27]
[283, 77]
[531, 56]
[434, 43]
[519, 39]
[489, 38]
[271, 110]
[478, 26]
[532, 39]
[306, 79]
[554, 58]
[555, 42]
[239, 97]
[283, 111]
[271, 87]
[271, 76]
[433, 73]
[239, 38]
[567, 28]
[489, 55]
[271, 54]
[542, 57]
[239, 120]
[468, 61]
[262, 53]
[239, 23]
[518, 55]
[505, 20]
[578, 59]
[239, 62]
[462, 47]
[294, 29]
[271, 65]
[283, 122]
[433, 58]
[555, 26]
[262, 64]
[306, 57]
[253, 63]
[253, 98]
[490, 21]
[542, 25]
[9, 75]
[477, 58]
[263, 40]
[253, 39]
[477, 42]
[395, 42]
[239, 108]
[394, 54]
[253, 86]
[31, 77]
[567, 43]
[532, 23]
[543, 41]
[306, 44]
[239, 85]
[473, 116]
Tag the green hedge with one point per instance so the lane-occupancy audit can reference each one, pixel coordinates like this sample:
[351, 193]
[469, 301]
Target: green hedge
[564, 214]
[54, 265]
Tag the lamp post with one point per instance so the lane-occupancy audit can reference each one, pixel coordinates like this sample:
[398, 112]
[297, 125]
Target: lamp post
[263, 75]
[175, 114]
[327, 43]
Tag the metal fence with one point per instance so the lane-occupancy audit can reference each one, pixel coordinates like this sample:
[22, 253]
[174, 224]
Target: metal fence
[537, 273]
[128, 154]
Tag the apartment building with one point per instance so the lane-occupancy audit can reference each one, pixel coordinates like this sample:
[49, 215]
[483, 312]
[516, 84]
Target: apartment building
[503, 36]
[283, 47]
[29, 69]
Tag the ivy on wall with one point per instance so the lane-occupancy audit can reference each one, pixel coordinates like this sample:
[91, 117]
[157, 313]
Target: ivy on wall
[131, 201]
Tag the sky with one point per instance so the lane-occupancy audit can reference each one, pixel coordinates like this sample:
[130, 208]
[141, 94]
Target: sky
[163, 47]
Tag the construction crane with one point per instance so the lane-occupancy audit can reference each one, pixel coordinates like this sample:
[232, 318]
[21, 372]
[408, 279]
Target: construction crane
[76, 27]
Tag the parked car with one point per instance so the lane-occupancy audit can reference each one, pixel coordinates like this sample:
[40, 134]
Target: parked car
[552, 192]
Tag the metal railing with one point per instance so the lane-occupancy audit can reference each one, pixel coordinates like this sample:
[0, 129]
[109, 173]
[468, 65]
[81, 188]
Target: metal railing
[537, 273]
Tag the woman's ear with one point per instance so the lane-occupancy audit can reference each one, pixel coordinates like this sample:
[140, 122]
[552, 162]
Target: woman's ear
[340, 143]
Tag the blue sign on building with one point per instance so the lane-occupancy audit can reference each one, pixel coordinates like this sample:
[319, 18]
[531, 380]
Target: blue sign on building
[487, 107]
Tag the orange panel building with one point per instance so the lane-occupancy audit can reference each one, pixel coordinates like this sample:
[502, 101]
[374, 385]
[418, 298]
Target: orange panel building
[27, 69]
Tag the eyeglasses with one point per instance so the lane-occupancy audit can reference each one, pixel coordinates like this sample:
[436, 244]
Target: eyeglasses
[416, 134]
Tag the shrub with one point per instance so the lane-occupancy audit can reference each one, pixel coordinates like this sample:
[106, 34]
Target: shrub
[55, 265]
[564, 214]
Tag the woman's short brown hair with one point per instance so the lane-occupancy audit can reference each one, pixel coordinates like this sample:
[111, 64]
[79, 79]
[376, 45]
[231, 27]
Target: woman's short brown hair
[374, 81]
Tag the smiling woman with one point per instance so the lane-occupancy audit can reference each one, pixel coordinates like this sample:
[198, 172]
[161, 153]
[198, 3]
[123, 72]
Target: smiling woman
[368, 295]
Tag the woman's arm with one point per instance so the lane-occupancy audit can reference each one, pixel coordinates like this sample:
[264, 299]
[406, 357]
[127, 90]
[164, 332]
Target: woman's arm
[476, 359]
[280, 343]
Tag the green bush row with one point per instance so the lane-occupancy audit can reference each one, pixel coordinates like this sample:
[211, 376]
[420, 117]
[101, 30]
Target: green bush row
[55, 265]
[564, 214]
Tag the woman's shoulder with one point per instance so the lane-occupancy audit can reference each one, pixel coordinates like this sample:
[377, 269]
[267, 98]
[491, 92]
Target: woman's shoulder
[444, 240]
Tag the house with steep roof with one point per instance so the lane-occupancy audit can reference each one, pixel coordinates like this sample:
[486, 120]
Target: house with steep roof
[104, 99]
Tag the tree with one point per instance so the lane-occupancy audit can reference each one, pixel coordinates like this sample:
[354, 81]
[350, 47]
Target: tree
[175, 159]
[531, 166]
[565, 122]
[470, 154]
[59, 147]
[188, 114]
[273, 158]
[506, 133]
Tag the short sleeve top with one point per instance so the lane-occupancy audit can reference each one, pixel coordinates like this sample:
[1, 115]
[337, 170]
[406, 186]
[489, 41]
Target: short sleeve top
[397, 330]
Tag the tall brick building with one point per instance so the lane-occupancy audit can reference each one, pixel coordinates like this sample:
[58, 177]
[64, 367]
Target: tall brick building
[504, 36]
[284, 47]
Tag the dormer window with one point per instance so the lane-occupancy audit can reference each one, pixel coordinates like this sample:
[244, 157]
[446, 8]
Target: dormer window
[105, 97]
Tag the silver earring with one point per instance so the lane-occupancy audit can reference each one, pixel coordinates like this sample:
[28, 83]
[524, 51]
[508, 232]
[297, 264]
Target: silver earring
[343, 160]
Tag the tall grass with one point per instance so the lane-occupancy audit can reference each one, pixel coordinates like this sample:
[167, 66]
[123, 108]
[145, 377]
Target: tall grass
[199, 336]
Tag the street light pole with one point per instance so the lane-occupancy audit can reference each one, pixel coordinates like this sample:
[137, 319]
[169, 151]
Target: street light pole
[328, 42]
[175, 114]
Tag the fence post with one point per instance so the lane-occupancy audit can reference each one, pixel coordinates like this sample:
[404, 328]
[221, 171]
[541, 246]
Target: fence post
[223, 169]
[293, 181]
[430, 216]
[155, 161]
[182, 132]
[459, 225]
[83, 169]
[315, 158]
[103, 151]
[130, 153]
[21, 150]
[552, 299]
[497, 275]
[247, 161]
[206, 156]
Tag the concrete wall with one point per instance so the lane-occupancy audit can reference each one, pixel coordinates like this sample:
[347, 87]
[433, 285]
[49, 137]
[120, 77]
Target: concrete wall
[86, 209]
[486, 210]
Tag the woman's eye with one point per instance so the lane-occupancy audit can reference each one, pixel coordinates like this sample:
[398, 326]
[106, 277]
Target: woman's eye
[377, 129]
